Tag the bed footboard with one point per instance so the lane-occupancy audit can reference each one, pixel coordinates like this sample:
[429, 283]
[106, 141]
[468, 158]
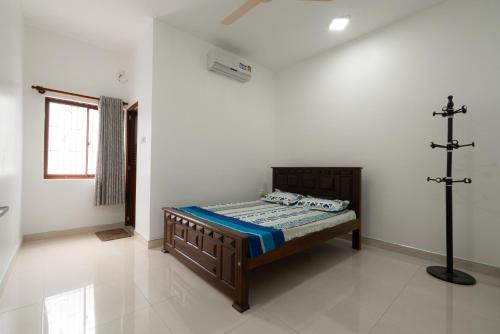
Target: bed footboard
[217, 254]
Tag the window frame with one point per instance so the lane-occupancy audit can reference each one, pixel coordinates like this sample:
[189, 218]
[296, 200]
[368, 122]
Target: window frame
[46, 175]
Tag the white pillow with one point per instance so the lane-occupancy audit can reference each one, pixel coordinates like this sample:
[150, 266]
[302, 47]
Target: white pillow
[323, 204]
[282, 197]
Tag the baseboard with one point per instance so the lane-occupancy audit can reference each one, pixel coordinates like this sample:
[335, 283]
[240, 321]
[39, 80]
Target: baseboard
[407, 250]
[5, 277]
[431, 256]
[155, 243]
[148, 243]
[74, 231]
[138, 237]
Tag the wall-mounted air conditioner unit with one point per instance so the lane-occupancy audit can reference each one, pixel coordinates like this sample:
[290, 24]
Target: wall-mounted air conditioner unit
[229, 65]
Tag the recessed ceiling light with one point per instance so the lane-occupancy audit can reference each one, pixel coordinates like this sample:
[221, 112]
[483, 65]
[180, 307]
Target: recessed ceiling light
[339, 23]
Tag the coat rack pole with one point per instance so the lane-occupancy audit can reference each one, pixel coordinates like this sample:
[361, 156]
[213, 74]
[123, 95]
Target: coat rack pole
[449, 193]
[448, 273]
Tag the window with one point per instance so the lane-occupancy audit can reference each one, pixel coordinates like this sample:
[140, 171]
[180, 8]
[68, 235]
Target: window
[71, 136]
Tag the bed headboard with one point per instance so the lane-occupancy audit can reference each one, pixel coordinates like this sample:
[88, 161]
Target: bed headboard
[325, 182]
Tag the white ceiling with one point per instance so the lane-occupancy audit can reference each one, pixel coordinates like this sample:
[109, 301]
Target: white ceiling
[112, 24]
[274, 34]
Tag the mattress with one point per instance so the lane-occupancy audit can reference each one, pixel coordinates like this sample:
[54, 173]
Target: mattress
[293, 221]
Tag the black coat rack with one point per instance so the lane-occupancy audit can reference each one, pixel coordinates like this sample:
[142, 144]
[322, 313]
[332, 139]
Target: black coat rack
[448, 273]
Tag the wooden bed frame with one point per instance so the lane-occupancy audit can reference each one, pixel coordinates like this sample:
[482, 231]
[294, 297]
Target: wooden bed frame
[219, 254]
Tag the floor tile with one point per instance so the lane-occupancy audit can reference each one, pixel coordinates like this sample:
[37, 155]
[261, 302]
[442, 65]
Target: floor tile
[434, 314]
[268, 283]
[483, 298]
[80, 285]
[390, 326]
[376, 266]
[21, 291]
[91, 305]
[319, 296]
[260, 323]
[394, 255]
[60, 280]
[347, 317]
[26, 320]
[142, 322]
[160, 284]
[195, 312]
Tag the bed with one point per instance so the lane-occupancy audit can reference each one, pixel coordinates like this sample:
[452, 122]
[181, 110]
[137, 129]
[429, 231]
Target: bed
[223, 256]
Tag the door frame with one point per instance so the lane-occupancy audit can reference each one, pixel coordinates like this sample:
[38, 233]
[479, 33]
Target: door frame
[134, 108]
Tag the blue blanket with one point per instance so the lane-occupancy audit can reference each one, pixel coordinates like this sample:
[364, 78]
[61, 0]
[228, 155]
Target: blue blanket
[262, 238]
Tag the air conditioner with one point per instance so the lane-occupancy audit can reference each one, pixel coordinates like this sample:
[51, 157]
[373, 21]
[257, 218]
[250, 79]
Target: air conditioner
[229, 65]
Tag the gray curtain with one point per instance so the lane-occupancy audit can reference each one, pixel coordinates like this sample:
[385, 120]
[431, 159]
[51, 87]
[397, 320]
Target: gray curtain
[110, 172]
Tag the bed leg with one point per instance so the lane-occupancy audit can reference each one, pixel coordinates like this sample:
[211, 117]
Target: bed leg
[241, 298]
[356, 239]
[241, 276]
[241, 306]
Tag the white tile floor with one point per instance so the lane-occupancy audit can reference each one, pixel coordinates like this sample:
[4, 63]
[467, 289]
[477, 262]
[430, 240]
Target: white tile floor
[82, 285]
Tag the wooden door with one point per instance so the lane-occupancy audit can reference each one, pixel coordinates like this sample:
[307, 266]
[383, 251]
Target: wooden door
[131, 165]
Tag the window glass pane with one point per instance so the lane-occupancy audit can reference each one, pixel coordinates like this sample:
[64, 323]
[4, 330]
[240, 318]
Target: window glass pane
[93, 140]
[67, 139]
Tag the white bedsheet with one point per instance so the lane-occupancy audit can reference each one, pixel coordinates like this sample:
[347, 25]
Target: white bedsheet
[300, 231]
[293, 221]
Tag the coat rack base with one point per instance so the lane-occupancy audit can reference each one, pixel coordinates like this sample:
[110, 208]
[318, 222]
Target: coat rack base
[456, 276]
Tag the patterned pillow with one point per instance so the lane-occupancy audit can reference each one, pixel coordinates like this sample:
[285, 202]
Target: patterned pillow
[282, 197]
[323, 204]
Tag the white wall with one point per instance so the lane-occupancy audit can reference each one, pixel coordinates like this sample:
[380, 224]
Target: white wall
[10, 130]
[62, 63]
[141, 90]
[369, 104]
[212, 137]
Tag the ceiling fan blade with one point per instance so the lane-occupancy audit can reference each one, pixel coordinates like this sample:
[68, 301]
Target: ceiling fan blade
[242, 10]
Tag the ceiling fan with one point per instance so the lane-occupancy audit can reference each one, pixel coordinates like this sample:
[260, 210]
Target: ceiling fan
[246, 7]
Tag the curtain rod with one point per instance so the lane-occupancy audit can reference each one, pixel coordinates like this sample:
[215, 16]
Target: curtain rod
[43, 90]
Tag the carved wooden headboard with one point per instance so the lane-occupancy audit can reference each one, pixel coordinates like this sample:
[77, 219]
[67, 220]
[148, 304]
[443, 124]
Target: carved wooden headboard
[325, 182]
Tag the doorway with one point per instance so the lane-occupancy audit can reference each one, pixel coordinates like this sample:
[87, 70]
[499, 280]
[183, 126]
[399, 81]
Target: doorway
[131, 157]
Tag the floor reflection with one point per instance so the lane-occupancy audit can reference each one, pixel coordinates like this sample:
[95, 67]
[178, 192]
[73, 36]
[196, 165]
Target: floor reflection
[70, 312]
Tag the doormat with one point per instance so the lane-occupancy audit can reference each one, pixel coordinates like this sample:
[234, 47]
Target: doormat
[117, 233]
